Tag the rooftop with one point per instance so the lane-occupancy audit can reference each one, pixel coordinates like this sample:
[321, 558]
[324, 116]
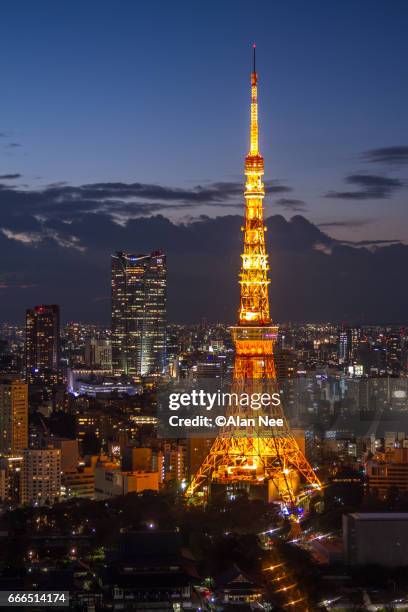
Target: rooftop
[380, 516]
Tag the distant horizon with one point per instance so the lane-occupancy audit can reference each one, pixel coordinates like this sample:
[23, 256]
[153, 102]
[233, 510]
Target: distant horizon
[114, 142]
[314, 277]
[226, 324]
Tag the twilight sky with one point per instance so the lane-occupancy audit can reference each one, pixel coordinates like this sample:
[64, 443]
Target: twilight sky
[111, 111]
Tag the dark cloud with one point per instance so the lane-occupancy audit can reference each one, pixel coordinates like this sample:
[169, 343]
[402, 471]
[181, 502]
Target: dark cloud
[276, 187]
[202, 257]
[56, 184]
[371, 186]
[369, 242]
[5, 177]
[347, 224]
[31, 216]
[13, 145]
[217, 192]
[387, 155]
[291, 204]
[35, 210]
[214, 192]
[55, 243]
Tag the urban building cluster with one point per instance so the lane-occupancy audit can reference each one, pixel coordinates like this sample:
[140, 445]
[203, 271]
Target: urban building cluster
[95, 502]
[76, 426]
[79, 423]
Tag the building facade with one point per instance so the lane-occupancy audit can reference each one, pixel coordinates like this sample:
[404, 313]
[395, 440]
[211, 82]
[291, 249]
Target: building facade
[10, 478]
[387, 476]
[110, 482]
[13, 416]
[42, 350]
[41, 476]
[138, 313]
[376, 538]
[347, 342]
[98, 352]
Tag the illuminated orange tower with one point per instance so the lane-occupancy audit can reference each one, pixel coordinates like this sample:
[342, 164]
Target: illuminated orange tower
[258, 454]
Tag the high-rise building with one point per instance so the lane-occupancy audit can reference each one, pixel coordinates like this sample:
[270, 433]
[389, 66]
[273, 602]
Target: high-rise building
[10, 478]
[394, 353]
[98, 352]
[13, 416]
[344, 345]
[347, 342]
[174, 461]
[41, 476]
[138, 313]
[43, 343]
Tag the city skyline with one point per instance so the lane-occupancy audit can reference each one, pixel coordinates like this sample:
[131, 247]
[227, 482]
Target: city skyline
[204, 223]
[85, 174]
[353, 285]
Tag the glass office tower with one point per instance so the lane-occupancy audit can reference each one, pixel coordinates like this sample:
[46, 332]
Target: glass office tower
[138, 313]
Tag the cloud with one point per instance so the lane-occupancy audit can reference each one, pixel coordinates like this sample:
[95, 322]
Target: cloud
[34, 209]
[217, 193]
[31, 238]
[5, 177]
[12, 145]
[370, 242]
[371, 186]
[372, 246]
[323, 248]
[31, 216]
[214, 192]
[273, 186]
[36, 238]
[201, 257]
[291, 204]
[346, 223]
[387, 155]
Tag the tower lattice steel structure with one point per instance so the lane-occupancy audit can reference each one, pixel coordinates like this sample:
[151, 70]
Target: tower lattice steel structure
[257, 454]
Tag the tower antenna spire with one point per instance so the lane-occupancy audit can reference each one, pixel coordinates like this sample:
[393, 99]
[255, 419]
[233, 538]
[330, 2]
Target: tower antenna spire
[254, 107]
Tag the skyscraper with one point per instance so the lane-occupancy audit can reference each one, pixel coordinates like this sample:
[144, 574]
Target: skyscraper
[42, 343]
[13, 416]
[348, 339]
[138, 313]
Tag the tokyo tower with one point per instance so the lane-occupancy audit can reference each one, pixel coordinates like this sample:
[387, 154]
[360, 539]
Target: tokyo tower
[255, 455]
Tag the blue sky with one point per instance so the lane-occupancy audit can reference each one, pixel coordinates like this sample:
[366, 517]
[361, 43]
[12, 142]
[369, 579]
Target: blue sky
[158, 92]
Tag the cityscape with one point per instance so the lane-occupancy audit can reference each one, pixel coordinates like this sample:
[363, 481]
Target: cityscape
[106, 501]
